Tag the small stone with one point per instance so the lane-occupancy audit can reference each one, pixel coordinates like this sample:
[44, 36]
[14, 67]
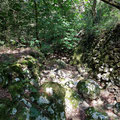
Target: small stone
[14, 111]
[43, 100]
[109, 106]
[17, 79]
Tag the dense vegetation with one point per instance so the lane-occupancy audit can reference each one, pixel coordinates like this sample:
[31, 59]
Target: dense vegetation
[53, 25]
[49, 52]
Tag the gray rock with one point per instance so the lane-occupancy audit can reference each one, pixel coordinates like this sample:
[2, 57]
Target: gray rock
[93, 114]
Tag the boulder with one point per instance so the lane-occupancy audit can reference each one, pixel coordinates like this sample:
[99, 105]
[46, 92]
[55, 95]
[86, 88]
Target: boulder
[89, 89]
[51, 101]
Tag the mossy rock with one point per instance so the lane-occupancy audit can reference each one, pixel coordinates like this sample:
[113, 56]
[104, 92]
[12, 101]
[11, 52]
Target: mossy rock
[93, 114]
[16, 88]
[17, 77]
[51, 100]
[61, 64]
[25, 68]
[89, 89]
[6, 108]
[52, 89]
[117, 108]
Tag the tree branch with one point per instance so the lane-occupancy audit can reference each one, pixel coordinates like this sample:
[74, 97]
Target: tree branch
[114, 3]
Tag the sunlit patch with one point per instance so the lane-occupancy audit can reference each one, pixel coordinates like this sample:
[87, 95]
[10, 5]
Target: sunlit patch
[69, 106]
[49, 91]
[72, 100]
[14, 111]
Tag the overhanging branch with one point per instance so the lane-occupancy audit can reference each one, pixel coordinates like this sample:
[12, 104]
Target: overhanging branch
[114, 3]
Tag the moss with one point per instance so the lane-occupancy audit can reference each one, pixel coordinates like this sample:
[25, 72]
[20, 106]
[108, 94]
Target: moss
[16, 68]
[76, 59]
[16, 88]
[118, 64]
[89, 89]
[72, 98]
[58, 90]
[17, 77]
[29, 61]
[23, 68]
[51, 101]
[5, 109]
[2, 108]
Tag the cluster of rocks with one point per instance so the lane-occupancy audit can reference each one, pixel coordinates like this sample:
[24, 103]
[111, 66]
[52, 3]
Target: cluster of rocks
[19, 76]
[58, 92]
[81, 93]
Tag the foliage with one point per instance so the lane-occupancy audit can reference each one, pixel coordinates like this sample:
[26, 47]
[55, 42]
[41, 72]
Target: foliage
[52, 25]
[105, 18]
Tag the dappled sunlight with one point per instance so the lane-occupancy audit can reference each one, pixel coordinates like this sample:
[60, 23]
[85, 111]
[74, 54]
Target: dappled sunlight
[59, 60]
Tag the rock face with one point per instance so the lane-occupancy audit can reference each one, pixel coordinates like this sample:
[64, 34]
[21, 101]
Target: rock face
[89, 89]
[93, 114]
[102, 56]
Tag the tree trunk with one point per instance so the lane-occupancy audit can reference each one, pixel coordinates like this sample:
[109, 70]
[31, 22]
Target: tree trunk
[94, 10]
[114, 3]
[36, 20]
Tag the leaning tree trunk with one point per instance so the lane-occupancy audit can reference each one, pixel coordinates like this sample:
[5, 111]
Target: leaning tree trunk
[114, 3]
